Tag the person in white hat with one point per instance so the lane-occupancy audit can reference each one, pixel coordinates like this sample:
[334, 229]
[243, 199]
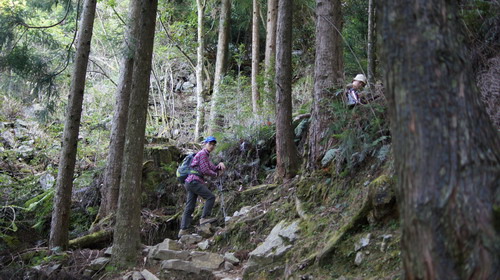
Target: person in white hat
[353, 90]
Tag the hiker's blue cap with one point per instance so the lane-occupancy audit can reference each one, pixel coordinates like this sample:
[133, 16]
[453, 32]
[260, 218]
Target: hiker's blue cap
[209, 139]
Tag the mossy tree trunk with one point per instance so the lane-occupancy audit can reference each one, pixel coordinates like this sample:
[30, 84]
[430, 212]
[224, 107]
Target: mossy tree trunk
[328, 76]
[126, 238]
[286, 151]
[200, 89]
[220, 63]
[446, 150]
[255, 57]
[112, 173]
[270, 52]
[371, 42]
[62, 201]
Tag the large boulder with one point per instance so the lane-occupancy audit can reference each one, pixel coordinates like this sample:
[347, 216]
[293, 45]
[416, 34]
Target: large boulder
[205, 260]
[382, 197]
[184, 270]
[277, 243]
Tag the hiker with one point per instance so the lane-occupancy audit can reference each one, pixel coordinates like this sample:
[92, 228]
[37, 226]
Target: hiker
[353, 90]
[195, 185]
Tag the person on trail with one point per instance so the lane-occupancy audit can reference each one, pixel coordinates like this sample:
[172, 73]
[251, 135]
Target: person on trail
[195, 185]
[353, 90]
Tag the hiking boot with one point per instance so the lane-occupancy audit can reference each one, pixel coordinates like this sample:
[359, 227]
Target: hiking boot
[183, 232]
[207, 220]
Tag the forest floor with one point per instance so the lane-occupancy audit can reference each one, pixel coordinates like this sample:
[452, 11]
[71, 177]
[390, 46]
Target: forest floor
[337, 223]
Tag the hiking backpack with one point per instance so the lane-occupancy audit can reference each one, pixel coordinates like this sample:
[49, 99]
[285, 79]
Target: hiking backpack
[185, 168]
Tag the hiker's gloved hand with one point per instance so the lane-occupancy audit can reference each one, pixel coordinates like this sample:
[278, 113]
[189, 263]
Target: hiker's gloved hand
[221, 167]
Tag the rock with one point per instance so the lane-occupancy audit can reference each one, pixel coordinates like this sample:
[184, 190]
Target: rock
[229, 257]
[363, 242]
[190, 239]
[359, 258]
[185, 266]
[168, 255]
[47, 181]
[53, 268]
[203, 245]
[205, 260]
[187, 86]
[385, 239]
[275, 245]
[108, 252]
[88, 273]
[148, 275]
[205, 230]
[329, 156]
[243, 211]
[169, 244]
[98, 263]
[136, 275]
[382, 196]
[228, 266]
[7, 137]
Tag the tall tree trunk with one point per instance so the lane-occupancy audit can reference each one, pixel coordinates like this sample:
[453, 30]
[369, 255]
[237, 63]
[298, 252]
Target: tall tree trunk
[371, 42]
[112, 173]
[328, 74]
[270, 52]
[255, 57]
[126, 238]
[286, 152]
[220, 62]
[200, 99]
[446, 150]
[62, 201]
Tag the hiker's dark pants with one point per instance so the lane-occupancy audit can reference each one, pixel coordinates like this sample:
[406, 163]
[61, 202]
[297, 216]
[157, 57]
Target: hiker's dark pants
[195, 189]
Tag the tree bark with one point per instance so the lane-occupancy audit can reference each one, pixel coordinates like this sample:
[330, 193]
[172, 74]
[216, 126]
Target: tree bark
[328, 74]
[112, 173]
[371, 42]
[286, 152]
[126, 238]
[64, 184]
[255, 57]
[270, 52]
[220, 62]
[446, 150]
[200, 100]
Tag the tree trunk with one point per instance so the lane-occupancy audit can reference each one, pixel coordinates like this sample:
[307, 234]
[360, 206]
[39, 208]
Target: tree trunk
[126, 238]
[371, 42]
[446, 150]
[220, 62]
[328, 73]
[200, 100]
[286, 152]
[64, 185]
[270, 52]
[255, 57]
[112, 173]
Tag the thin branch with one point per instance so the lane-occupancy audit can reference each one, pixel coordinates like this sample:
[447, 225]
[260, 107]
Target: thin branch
[22, 23]
[72, 42]
[177, 45]
[102, 72]
[118, 15]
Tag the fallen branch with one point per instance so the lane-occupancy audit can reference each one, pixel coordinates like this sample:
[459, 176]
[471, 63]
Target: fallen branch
[91, 240]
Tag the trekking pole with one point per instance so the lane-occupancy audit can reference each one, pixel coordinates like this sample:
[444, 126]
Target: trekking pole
[222, 199]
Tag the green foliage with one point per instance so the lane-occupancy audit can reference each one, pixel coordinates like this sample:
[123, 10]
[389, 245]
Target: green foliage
[359, 132]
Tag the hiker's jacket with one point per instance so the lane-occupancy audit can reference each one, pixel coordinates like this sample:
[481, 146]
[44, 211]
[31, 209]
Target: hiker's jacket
[202, 164]
[352, 96]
